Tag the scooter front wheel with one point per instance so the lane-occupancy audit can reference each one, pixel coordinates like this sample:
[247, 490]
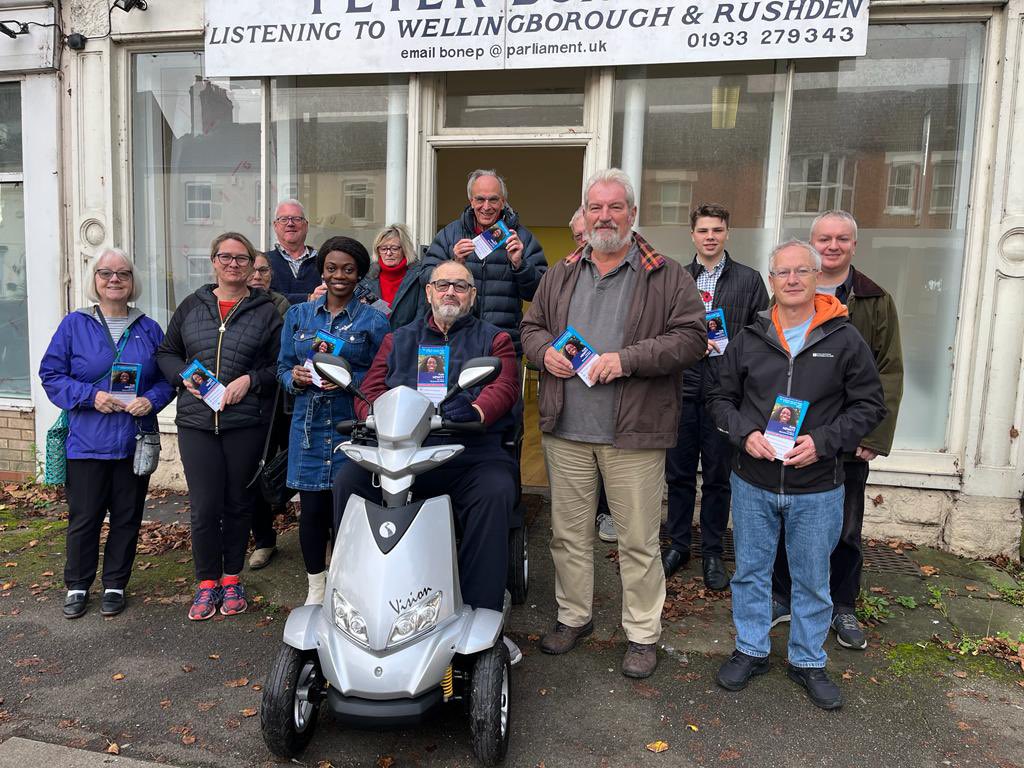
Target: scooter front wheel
[291, 701]
[489, 704]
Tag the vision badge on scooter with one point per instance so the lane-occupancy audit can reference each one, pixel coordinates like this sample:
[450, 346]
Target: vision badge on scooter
[387, 530]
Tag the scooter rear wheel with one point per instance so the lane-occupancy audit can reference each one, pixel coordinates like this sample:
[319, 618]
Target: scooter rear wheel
[291, 701]
[490, 704]
[519, 564]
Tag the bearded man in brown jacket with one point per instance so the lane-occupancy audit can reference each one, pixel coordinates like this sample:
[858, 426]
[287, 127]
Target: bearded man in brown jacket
[642, 314]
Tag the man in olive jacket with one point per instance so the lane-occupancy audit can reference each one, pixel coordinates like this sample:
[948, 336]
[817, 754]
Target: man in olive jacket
[873, 313]
[640, 312]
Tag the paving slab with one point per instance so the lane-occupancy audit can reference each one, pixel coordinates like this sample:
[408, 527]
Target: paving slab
[26, 753]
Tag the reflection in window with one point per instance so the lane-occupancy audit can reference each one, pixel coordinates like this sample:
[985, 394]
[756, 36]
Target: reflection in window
[698, 133]
[908, 106]
[195, 172]
[339, 147]
[14, 362]
[514, 98]
[820, 182]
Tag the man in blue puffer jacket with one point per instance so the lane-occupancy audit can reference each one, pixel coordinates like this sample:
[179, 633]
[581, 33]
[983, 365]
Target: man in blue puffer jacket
[510, 274]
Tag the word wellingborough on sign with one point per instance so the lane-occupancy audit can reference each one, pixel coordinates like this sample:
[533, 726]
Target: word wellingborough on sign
[267, 37]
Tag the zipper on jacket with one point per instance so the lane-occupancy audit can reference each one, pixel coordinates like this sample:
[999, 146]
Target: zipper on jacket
[789, 388]
[220, 341]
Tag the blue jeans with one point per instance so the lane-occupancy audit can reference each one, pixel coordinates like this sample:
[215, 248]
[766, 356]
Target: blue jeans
[813, 522]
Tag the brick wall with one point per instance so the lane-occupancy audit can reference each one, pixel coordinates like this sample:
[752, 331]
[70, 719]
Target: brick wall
[17, 445]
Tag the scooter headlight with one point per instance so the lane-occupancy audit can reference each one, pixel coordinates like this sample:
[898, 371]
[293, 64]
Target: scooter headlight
[415, 621]
[348, 620]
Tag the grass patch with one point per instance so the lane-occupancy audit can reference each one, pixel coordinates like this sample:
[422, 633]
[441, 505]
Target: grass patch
[916, 659]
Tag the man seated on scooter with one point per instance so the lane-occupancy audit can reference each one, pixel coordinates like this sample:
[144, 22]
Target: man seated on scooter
[482, 479]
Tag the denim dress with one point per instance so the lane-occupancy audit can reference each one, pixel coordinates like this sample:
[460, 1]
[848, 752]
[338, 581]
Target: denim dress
[312, 460]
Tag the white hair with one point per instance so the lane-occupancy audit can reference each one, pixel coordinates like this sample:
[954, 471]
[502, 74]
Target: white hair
[611, 176]
[290, 201]
[479, 173]
[450, 262]
[94, 264]
[576, 216]
[794, 243]
[847, 217]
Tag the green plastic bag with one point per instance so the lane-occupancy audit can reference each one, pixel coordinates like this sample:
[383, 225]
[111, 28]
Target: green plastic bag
[57, 451]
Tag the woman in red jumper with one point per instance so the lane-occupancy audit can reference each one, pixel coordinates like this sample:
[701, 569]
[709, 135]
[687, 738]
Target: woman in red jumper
[394, 277]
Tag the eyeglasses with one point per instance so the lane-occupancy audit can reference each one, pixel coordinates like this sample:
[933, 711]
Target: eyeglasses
[802, 273]
[241, 259]
[123, 275]
[480, 199]
[262, 270]
[442, 286]
[389, 249]
[289, 219]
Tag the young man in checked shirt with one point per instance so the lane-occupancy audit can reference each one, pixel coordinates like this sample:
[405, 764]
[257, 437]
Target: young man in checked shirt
[740, 293]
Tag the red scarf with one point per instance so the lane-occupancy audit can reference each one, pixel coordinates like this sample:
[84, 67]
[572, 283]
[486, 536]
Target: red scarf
[391, 278]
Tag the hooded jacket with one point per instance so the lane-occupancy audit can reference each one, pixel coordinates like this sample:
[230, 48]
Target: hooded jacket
[500, 290]
[247, 342]
[834, 372]
[76, 365]
[665, 332]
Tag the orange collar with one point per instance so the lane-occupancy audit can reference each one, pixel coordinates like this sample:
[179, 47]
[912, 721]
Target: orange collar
[826, 307]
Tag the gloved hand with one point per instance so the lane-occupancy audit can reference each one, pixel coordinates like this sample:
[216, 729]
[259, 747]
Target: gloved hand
[460, 408]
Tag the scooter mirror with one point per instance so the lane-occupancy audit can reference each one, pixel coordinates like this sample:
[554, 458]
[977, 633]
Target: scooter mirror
[334, 369]
[479, 370]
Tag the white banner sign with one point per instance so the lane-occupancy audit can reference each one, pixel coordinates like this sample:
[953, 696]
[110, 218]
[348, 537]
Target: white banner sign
[298, 37]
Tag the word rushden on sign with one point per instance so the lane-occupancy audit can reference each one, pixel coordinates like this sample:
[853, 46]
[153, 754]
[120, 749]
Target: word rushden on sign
[295, 37]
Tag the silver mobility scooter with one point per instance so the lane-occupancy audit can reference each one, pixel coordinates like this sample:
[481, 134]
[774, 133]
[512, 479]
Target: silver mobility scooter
[393, 639]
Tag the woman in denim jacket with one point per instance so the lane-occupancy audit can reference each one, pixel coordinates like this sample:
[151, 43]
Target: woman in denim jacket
[356, 331]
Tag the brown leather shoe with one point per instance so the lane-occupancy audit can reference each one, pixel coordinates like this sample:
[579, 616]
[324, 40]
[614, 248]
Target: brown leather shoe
[640, 660]
[563, 638]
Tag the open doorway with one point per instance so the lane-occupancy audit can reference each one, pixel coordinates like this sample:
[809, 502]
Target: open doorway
[544, 185]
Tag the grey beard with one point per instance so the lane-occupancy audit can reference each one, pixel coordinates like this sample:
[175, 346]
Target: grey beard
[608, 241]
[449, 312]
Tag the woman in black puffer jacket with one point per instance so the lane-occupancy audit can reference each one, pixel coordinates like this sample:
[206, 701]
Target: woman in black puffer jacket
[235, 332]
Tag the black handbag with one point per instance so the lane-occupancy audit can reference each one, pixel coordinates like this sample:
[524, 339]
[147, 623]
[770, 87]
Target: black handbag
[272, 472]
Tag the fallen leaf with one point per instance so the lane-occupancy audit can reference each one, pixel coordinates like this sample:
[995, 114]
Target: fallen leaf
[1014, 433]
[929, 570]
[385, 761]
[33, 543]
[325, 764]
[214, 656]
[874, 680]
[692, 727]
[876, 500]
[188, 738]
[960, 673]
[963, 726]
[533, 638]
[68, 723]
[165, 703]
[240, 682]
[971, 588]
[257, 687]
[187, 668]
[117, 676]
[112, 748]
[47, 573]
[10, 565]
[206, 706]
[6, 585]
[848, 674]
[248, 711]
[543, 691]
[660, 746]
[729, 754]
[993, 595]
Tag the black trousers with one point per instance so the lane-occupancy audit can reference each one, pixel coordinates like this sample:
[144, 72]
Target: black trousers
[218, 469]
[96, 487]
[847, 559]
[698, 440]
[316, 528]
[483, 489]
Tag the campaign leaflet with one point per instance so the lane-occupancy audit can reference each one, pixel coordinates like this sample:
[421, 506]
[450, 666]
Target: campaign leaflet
[323, 342]
[717, 333]
[124, 381]
[575, 349]
[432, 372]
[784, 424]
[211, 390]
[492, 237]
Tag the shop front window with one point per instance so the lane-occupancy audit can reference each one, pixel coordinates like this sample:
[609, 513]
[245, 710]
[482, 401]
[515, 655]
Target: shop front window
[195, 172]
[339, 146]
[904, 118]
[698, 134]
[514, 98]
[14, 360]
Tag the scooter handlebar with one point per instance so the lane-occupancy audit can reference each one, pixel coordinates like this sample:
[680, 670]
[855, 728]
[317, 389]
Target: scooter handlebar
[346, 427]
[473, 427]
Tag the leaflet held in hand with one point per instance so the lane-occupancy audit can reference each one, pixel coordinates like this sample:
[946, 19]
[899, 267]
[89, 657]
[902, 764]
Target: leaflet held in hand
[572, 346]
[784, 424]
[211, 390]
[124, 381]
[492, 237]
[323, 342]
[432, 372]
[718, 336]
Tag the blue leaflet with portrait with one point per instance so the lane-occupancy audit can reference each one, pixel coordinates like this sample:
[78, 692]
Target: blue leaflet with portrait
[718, 336]
[211, 390]
[124, 381]
[784, 424]
[328, 344]
[492, 237]
[432, 372]
[575, 349]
